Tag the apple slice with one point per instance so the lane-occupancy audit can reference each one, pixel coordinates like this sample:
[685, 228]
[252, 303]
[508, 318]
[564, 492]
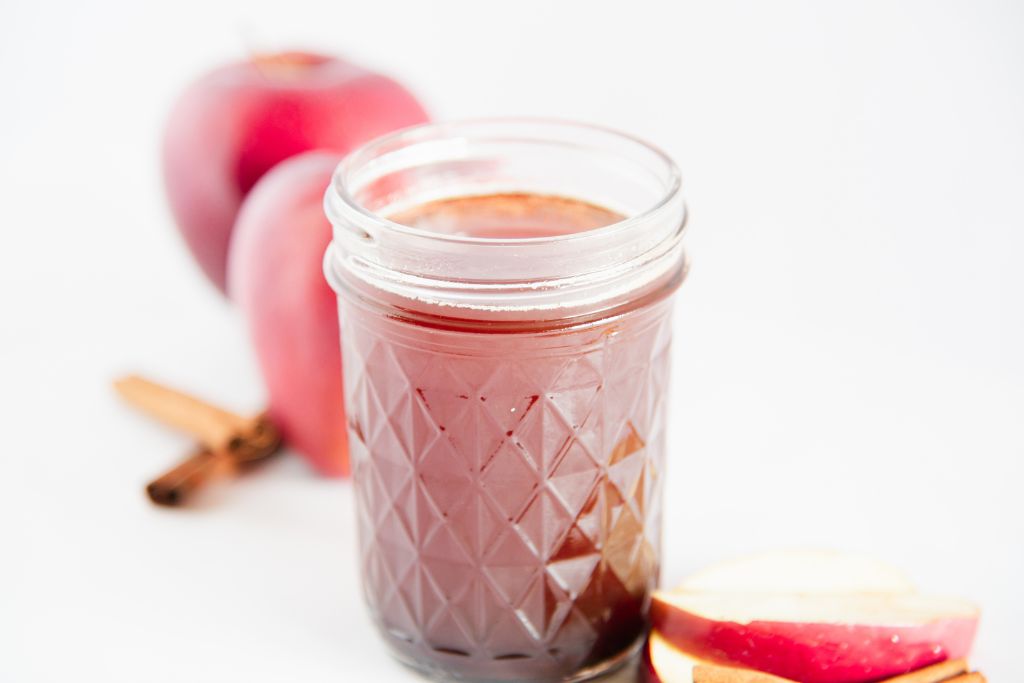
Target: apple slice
[846, 638]
[665, 663]
[801, 571]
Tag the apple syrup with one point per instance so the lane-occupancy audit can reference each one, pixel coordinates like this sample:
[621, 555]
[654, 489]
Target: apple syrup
[508, 477]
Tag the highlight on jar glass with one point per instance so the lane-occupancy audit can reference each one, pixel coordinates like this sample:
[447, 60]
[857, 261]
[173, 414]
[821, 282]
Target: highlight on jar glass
[505, 292]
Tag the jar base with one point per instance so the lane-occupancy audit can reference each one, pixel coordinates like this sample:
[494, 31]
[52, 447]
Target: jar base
[616, 669]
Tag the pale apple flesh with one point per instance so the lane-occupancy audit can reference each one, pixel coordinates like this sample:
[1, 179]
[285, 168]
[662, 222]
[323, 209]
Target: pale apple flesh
[276, 277]
[822, 638]
[664, 663]
[801, 571]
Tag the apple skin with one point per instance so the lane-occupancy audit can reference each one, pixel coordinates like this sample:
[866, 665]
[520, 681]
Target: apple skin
[276, 276]
[815, 652]
[237, 122]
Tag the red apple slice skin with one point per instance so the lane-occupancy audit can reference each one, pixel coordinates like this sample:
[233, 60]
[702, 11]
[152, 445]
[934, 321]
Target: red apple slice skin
[816, 652]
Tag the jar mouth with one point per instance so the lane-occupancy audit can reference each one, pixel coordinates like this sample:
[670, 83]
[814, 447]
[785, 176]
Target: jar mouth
[559, 274]
[341, 198]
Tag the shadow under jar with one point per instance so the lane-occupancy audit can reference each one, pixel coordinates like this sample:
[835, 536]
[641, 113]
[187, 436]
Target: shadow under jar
[505, 291]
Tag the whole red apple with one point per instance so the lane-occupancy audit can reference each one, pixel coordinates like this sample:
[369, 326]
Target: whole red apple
[236, 122]
[275, 275]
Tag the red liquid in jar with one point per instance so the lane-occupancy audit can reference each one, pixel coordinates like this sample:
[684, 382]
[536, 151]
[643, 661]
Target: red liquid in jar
[508, 476]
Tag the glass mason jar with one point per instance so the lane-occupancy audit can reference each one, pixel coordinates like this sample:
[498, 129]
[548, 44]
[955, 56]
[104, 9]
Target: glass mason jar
[505, 390]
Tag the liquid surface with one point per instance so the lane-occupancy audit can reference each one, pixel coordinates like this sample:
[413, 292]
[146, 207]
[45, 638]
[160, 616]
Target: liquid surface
[508, 484]
[508, 216]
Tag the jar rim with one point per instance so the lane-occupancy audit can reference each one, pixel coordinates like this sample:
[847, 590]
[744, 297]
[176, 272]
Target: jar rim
[562, 276]
[340, 198]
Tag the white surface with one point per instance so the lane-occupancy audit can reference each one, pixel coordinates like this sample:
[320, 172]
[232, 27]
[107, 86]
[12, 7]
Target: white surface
[849, 369]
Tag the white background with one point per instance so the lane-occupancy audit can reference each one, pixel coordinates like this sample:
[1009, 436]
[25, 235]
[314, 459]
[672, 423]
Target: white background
[849, 369]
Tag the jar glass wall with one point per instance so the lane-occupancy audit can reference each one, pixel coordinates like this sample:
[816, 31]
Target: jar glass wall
[505, 293]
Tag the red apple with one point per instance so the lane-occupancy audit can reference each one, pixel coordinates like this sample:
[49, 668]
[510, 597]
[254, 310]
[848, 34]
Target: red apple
[276, 275]
[817, 638]
[236, 122]
[801, 571]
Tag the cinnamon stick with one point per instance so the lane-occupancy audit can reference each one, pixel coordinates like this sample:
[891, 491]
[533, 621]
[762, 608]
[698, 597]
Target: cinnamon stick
[228, 442]
[951, 671]
[175, 486]
[211, 425]
[707, 673]
[973, 677]
[934, 673]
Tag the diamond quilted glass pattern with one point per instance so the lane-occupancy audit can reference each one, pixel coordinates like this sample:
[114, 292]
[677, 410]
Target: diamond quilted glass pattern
[508, 491]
